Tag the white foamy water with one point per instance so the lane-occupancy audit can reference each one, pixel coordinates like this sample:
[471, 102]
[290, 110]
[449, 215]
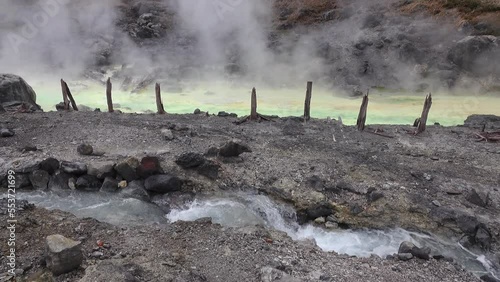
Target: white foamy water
[244, 210]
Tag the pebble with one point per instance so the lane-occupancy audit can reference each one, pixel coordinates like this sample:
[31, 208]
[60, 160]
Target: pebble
[5, 132]
[97, 254]
[405, 256]
[85, 149]
[436, 203]
[122, 184]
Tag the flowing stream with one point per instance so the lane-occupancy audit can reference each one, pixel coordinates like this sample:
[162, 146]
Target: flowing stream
[246, 210]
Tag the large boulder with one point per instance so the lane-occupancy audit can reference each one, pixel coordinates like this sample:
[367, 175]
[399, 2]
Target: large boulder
[475, 54]
[62, 254]
[163, 183]
[14, 91]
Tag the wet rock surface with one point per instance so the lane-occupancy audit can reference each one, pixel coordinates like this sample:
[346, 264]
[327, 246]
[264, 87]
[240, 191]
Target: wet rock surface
[359, 181]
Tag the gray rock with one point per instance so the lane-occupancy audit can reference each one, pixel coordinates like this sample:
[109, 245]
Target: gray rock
[421, 253]
[62, 255]
[85, 149]
[136, 190]
[50, 165]
[27, 166]
[39, 179]
[331, 225]
[197, 112]
[479, 198]
[101, 170]
[5, 132]
[489, 278]
[483, 238]
[128, 169]
[167, 134]
[405, 247]
[405, 256]
[436, 203]
[162, 183]
[75, 168]
[233, 148]
[109, 185]
[491, 121]
[190, 160]
[88, 183]
[15, 90]
[59, 181]
[22, 180]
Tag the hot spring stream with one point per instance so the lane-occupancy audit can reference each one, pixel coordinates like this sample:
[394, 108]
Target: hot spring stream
[244, 210]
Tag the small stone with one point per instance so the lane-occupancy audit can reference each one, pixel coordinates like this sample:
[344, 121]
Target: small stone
[233, 148]
[331, 225]
[39, 179]
[29, 148]
[197, 111]
[62, 255]
[167, 134]
[163, 183]
[436, 203]
[405, 256]
[128, 169]
[427, 177]
[5, 132]
[320, 220]
[75, 168]
[85, 149]
[223, 114]
[97, 254]
[122, 184]
[190, 160]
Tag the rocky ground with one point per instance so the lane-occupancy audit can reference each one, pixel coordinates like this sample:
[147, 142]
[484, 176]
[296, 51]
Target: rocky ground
[441, 181]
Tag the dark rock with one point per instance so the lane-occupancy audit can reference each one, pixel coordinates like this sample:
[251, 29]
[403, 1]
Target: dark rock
[85, 149]
[109, 185]
[483, 238]
[88, 183]
[149, 166]
[223, 114]
[421, 253]
[233, 149]
[316, 183]
[209, 169]
[373, 196]
[75, 168]
[128, 169]
[50, 165]
[356, 208]
[474, 53]
[491, 121]
[190, 160]
[5, 132]
[318, 210]
[197, 112]
[39, 179]
[59, 181]
[136, 190]
[163, 183]
[479, 198]
[15, 90]
[29, 148]
[62, 255]
[101, 170]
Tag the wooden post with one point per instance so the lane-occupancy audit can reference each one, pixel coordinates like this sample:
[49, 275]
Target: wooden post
[67, 93]
[109, 87]
[159, 104]
[65, 96]
[253, 110]
[425, 113]
[362, 113]
[307, 104]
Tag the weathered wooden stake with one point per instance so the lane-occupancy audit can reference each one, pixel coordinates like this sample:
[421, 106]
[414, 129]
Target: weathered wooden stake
[109, 87]
[253, 110]
[362, 113]
[425, 113]
[159, 104]
[67, 94]
[307, 104]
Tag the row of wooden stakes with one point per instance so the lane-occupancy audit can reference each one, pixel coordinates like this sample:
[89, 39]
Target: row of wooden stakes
[420, 123]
